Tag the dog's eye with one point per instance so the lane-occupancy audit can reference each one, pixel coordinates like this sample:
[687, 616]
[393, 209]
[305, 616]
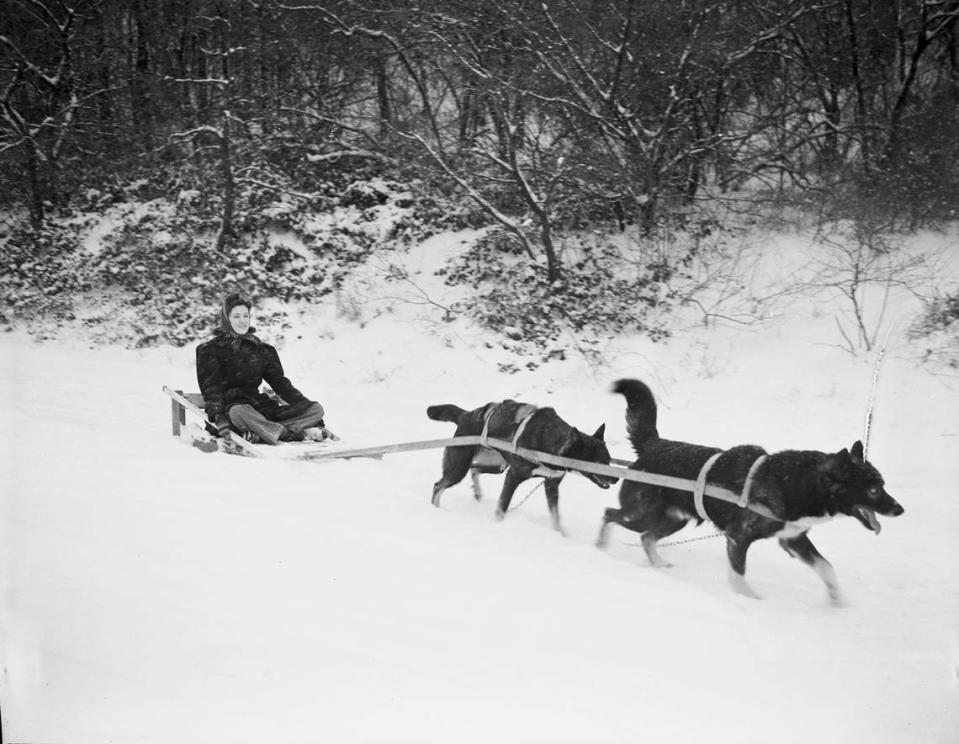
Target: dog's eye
[875, 490]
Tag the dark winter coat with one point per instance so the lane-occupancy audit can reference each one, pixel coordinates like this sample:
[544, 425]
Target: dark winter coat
[231, 368]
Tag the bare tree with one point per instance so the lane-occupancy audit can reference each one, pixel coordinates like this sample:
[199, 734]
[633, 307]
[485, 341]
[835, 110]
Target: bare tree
[39, 100]
[220, 88]
[864, 270]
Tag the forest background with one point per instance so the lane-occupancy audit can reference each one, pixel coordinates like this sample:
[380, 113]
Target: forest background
[604, 147]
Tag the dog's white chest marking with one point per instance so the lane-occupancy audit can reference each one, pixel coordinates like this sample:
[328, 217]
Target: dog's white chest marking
[800, 526]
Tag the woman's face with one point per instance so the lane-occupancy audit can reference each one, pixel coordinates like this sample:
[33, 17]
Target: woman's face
[240, 319]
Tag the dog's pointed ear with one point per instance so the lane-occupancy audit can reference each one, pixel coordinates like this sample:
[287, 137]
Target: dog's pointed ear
[600, 432]
[857, 453]
[832, 466]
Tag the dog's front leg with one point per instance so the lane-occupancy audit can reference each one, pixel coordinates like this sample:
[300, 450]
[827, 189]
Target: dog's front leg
[801, 547]
[552, 501]
[510, 483]
[736, 552]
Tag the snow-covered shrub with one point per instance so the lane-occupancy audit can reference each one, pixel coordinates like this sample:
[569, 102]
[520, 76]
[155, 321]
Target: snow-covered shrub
[598, 296]
[938, 327]
[151, 272]
[365, 194]
[177, 282]
[428, 215]
[38, 273]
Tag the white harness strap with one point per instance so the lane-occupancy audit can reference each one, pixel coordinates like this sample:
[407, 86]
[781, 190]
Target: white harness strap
[744, 496]
[522, 417]
[701, 486]
[701, 483]
[540, 469]
[484, 435]
[522, 424]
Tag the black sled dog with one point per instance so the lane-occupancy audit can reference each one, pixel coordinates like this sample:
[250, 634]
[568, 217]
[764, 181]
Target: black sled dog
[788, 493]
[525, 426]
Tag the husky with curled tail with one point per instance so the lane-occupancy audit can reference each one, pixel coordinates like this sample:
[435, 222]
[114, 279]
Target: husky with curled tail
[525, 426]
[788, 493]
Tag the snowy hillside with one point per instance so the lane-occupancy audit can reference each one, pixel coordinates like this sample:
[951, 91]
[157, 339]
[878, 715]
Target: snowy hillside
[154, 593]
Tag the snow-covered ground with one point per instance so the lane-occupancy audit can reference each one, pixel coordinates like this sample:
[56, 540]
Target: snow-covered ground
[154, 593]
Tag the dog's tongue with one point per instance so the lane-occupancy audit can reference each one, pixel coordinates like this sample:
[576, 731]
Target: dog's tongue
[868, 518]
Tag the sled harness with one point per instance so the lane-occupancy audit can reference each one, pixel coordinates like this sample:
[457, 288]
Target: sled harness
[521, 417]
[700, 488]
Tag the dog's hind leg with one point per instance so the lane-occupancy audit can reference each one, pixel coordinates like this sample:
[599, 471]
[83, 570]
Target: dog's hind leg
[649, 540]
[456, 464]
[609, 516]
[663, 523]
[623, 518]
[510, 483]
[642, 512]
[441, 485]
[736, 551]
[801, 547]
[485, 461]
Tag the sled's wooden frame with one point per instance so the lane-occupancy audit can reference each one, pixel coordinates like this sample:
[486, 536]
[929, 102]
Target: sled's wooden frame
[182, 402]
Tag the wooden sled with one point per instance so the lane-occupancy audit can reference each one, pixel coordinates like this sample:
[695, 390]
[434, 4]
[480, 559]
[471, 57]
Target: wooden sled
[199, 433]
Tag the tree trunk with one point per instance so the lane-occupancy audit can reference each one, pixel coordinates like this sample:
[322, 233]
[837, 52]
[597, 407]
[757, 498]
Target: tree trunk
[647, 215]
[142, 119]
[37, 210]
[227, 230]
[553, 271]
[105, 99]
[383, 96]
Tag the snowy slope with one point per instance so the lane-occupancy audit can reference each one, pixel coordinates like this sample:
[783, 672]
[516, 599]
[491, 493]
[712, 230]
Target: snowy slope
[154, 593]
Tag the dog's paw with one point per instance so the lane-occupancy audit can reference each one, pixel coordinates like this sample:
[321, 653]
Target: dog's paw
[837, 599]
[740, 586]
[655, 559]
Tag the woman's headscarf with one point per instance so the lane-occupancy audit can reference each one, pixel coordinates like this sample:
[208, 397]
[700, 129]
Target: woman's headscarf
[226, 328]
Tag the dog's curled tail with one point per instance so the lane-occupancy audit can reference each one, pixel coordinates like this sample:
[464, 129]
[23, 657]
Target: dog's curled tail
[446, 412]
[640, 411]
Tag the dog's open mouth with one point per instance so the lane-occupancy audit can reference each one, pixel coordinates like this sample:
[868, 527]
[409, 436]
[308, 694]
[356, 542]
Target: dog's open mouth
[868, 518]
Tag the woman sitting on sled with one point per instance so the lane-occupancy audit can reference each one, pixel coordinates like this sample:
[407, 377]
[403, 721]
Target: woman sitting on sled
[230, 368]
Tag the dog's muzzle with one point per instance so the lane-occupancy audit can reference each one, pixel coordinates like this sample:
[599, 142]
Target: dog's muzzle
[888, 507]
